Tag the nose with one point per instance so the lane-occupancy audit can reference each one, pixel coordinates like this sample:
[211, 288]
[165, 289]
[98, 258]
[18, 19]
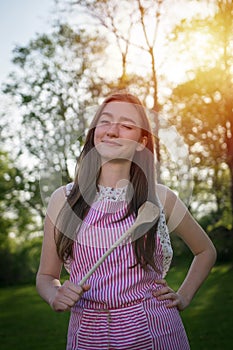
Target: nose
[113, 130]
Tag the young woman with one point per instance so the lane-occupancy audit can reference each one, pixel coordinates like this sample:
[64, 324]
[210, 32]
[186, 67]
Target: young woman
[126, 303]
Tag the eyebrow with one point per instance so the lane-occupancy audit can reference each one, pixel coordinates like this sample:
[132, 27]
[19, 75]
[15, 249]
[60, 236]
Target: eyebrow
[122, 118]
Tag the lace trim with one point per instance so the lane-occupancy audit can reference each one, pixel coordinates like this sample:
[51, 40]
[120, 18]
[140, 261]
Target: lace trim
[111, 194]
[165, 242]
[69, 188]
[105, 193]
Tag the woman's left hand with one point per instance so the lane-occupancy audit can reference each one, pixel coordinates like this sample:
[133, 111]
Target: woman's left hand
[167, 293]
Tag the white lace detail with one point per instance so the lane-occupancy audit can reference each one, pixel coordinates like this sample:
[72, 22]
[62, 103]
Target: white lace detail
[105, 193]
[165, 241]
[111, 194]
[69, 188]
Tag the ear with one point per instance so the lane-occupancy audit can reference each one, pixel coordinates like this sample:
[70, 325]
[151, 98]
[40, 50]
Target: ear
[142, 144]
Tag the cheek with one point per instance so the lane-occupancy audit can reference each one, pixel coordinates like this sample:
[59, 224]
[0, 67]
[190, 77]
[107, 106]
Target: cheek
[97, 135]
[135, 137]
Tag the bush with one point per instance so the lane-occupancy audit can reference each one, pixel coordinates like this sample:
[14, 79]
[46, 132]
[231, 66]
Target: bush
[20, 266]
[223, 241]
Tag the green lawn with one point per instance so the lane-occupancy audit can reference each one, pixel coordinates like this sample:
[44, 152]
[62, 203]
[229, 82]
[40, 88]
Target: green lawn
[209, 318]
[28, 323]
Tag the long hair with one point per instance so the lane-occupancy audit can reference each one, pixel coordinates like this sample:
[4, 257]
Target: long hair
[142, 178]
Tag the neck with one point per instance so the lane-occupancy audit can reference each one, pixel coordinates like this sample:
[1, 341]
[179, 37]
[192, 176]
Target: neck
[114, 175]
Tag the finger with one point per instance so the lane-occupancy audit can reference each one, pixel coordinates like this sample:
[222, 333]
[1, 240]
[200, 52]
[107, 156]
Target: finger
[86, 287]
[72, 292]
[173, 302]
[162, 291]
[166, 296]
[77, 288]
[60, 306]
[71, 297]
[68, 301]
[73, 287]
[161, 281]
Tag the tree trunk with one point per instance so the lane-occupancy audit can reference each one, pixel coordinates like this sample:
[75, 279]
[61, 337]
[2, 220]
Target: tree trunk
[229, 143]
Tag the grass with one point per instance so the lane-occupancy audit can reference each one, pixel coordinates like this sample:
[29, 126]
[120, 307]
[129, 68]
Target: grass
[209, 318]
[27, 322]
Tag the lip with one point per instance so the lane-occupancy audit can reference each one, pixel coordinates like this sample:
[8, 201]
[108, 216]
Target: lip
[109, 142]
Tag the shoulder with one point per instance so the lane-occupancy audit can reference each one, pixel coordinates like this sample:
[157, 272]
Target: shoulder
[56, 202]
[61, 193]
[174, 209]
[166, 196]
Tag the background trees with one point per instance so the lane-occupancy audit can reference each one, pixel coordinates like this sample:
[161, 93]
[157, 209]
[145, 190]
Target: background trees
[50, 91]
[17, 226]
[204, 107]
[99, 46]
[52, 88]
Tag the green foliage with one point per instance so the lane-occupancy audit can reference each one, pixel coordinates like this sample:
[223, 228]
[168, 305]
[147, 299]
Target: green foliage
[223, 241]
[19, 266]
[18, 250]
[15, 213]
[52, 89]
[202, 105]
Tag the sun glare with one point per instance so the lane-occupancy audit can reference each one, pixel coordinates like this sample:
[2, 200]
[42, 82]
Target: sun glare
[173, 62]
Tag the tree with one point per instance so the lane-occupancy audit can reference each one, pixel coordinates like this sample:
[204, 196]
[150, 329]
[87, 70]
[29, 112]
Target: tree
[16, 216]
[204, 105]
[53, 89]
[17, 221]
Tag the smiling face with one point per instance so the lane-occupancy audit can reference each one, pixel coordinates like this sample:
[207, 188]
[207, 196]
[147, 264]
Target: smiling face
[118, 131]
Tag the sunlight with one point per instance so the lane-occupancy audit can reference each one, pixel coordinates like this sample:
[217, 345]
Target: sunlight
[202, 49]
[167, 64]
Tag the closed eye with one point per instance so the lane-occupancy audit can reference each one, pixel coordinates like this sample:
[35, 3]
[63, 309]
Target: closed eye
[127, 126]
[104, 121]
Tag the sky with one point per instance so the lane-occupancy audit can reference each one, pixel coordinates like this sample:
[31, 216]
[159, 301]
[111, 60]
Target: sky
[20, 20]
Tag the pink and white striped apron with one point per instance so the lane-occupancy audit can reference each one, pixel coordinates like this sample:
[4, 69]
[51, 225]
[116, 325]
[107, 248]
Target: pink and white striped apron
[119, 311]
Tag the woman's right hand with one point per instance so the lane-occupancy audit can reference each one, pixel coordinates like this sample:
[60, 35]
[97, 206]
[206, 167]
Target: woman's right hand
[66, 296]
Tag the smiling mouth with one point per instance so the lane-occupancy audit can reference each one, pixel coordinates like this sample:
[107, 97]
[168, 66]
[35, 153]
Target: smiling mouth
[113, 143]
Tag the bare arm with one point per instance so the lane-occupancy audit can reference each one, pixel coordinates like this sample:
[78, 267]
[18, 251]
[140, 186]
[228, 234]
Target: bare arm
[180, 220]
[59, 297]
